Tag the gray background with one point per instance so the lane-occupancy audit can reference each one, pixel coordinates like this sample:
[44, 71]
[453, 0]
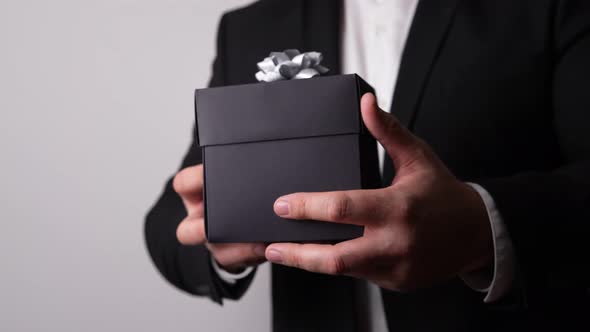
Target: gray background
[95, 113]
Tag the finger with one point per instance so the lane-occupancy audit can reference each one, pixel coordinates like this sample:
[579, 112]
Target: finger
[196, 210]
[399, 142]
[361, 207]
[191, 231]
[188, 183]
[320, 258]
[340, 259]
[236, 255]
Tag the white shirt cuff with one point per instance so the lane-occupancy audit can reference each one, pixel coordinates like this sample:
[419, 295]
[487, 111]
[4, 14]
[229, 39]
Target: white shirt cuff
[500, 282]
[228, 277]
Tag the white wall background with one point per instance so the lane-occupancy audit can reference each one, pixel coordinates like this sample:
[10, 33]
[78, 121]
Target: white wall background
[95, 112]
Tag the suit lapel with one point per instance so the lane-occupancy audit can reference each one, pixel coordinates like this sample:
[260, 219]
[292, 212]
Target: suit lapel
[427, 33]
[321, 31]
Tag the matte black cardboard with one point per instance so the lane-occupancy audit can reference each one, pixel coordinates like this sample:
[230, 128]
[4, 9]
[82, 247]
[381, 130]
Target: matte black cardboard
[260, 141]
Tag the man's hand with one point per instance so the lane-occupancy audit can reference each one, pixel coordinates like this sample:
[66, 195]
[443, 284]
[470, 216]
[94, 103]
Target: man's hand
[425, 228]
[188, 183]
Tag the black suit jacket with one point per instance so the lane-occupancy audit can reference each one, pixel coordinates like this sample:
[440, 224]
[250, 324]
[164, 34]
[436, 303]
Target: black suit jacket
[501, 91]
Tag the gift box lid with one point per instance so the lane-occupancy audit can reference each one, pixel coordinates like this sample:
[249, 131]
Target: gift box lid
[320, 106]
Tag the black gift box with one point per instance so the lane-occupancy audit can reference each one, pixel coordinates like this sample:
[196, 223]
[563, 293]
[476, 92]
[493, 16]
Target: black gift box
[264, 140]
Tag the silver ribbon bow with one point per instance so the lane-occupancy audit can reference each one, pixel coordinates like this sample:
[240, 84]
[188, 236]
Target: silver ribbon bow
[290, 65]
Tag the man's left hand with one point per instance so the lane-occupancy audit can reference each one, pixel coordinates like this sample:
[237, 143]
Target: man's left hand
[425, 228]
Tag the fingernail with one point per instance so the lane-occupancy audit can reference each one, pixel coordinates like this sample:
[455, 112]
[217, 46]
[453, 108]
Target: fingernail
[282, 208]
[274, 256]
[259, 250]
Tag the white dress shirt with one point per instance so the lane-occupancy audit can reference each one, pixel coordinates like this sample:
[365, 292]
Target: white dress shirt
[374, 34]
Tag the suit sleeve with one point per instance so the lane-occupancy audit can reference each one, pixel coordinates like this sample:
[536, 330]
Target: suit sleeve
[547, 213]
[188, 267]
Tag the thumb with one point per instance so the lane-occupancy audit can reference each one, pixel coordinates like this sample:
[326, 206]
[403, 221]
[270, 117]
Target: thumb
[401, 145]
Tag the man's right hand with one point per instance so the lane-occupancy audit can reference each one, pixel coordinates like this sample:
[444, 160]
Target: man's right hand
[233, 257]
